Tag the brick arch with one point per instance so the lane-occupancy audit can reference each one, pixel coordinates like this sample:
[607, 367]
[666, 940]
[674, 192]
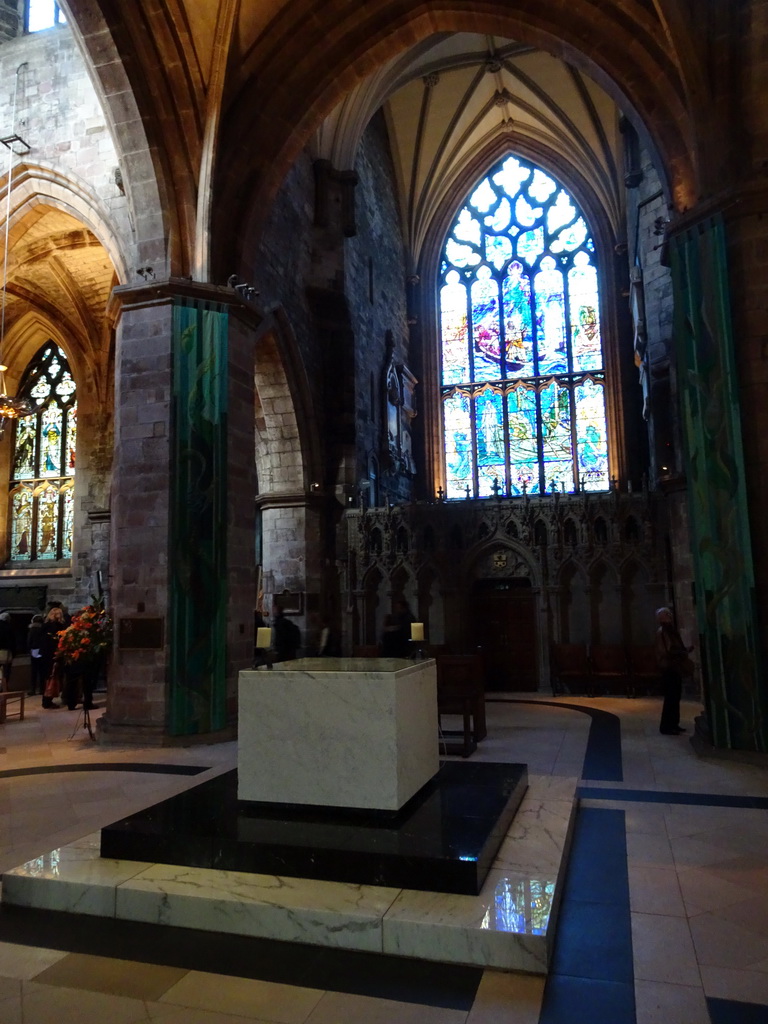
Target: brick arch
[627, 54]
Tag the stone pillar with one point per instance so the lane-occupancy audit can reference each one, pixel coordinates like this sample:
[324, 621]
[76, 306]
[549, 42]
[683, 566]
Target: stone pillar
[182, 552]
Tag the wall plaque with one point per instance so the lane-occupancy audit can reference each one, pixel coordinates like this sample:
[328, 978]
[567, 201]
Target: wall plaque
[140, 634]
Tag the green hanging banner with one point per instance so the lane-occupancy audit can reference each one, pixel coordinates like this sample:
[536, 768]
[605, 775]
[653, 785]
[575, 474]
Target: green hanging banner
[198, 521]
[717, 500]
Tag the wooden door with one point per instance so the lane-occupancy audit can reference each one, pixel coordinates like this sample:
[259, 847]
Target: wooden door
[505, 627]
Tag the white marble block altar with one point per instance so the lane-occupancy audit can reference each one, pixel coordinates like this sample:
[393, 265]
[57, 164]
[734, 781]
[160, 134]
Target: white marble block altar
[338, 732]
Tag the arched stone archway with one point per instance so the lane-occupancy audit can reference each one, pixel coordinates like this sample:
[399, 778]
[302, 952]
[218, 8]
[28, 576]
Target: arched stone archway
[645, 66]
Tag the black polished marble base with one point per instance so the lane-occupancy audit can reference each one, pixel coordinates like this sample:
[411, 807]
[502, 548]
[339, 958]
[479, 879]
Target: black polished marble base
[444, 840]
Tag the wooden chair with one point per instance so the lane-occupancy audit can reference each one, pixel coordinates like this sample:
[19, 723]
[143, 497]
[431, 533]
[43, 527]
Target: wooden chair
[569, 669]
[7, 696]
[461, 691]
[609, 669]
[644, 673]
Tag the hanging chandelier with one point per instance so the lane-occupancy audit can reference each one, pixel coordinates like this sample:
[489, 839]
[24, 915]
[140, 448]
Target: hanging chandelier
[10, 408]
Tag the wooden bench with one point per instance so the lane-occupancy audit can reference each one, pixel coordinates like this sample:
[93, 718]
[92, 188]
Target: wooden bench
[11, 695]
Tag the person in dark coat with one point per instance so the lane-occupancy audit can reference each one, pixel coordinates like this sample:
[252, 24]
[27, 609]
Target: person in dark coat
[34, 646]
[286, 636]
[8, 647]
[400, 642]
[53, 625]
[671, 653]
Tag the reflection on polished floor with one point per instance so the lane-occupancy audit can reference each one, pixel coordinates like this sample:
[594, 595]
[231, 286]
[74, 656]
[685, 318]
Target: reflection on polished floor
[663, 914]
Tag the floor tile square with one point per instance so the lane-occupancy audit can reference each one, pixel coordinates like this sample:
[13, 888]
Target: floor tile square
[104, 974]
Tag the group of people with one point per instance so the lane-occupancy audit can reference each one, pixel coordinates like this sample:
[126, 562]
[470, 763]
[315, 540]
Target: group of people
[42, 643]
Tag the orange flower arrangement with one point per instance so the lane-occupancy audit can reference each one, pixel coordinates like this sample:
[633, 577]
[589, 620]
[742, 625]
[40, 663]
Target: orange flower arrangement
[87, 637]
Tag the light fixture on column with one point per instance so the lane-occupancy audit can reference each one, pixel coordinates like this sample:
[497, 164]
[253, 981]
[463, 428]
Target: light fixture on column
[10, 408]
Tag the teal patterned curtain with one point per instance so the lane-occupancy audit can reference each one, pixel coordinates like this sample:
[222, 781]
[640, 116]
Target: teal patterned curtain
[722, 554]
[198, 542]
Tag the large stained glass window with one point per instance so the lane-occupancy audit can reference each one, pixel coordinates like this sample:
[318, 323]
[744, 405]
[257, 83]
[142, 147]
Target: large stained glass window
[43, 466]
[523, 384]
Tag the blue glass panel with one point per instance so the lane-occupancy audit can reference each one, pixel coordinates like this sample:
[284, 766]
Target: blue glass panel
[485, 326]
[585, 318]
[541, 186]
[458, 446]
[523, 447]
[570, 238]
[562, 212]
[498, 249]
[489, 430]
[518, 330]
[500, 218]
[50, 449]
[467, 228]
[461, 255]
[557, 443]
[511, 175]
[591, 440]
[530, 245]
[550, 318]
[483, 197]
[455, 334]
[526, 214]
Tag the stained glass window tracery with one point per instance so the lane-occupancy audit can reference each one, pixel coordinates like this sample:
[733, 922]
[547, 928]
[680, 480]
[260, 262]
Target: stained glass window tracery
[523, 379]
[43, 463]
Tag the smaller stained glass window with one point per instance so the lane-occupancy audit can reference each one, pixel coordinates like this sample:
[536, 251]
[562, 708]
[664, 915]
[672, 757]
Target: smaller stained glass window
[43, 463]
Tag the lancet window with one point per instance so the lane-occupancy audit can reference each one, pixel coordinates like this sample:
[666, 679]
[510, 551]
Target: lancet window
[43, 461]
[522, 374]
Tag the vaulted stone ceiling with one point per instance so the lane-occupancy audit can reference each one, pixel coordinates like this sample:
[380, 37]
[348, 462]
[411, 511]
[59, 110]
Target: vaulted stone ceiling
[455, 97]
[58, 281]
[226, 93]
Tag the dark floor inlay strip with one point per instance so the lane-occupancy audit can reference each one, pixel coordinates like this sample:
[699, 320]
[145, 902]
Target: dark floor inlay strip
[728, 1011]
[602, 759]
[651, 796]
[116, 766]
[592, 974]
[242, 956]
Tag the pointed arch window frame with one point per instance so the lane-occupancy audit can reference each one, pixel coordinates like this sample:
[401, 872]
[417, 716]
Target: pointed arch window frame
[505, 387]
[41, 496]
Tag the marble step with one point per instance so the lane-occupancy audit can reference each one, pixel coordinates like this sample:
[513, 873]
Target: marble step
[509, 926]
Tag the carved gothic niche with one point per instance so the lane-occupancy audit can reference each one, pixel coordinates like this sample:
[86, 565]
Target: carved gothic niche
[400, 387]
[501, 563]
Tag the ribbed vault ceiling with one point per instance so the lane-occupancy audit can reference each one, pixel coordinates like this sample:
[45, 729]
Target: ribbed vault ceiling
[454, 97]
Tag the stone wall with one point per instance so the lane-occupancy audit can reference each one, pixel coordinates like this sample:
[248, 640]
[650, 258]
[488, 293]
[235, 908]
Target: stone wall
[60, 117]
[375, 272]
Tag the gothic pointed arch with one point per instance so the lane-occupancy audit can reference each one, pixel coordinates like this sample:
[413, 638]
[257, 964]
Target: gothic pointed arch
[521, 362]
[42, 474]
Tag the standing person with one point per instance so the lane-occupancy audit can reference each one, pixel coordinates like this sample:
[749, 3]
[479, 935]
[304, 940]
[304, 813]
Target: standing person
[391, 639]
[672, 654]
[403, 617]
[7, 648]
[34, 645]
[53, 625]
[286, 634]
